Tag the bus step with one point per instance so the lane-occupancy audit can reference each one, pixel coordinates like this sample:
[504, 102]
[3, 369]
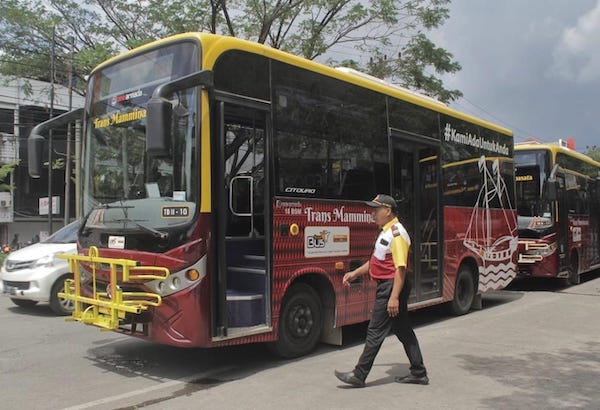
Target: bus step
[245, 269]
[246, 279]
[256, 261]
[244, 308]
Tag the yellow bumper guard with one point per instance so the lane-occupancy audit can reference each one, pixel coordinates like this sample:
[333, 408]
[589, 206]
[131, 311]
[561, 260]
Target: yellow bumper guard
[105, 309]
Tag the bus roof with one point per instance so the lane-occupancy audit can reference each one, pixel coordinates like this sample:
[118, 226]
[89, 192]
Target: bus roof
[555, 148]
[214, 45]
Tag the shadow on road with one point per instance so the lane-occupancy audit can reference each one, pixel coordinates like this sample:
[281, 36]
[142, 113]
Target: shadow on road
[210, 367]
[40, 310]
[548, 284]
[566, 379]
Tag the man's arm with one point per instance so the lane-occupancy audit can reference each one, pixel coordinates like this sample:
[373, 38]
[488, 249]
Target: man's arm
[360, 271]
[394, 301]
[399, 248]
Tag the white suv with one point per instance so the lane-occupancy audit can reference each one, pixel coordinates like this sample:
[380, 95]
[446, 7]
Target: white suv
[33, 274]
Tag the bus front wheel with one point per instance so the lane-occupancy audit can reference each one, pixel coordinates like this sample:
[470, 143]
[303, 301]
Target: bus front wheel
[574, 278]
[300, 322]
[464, 292]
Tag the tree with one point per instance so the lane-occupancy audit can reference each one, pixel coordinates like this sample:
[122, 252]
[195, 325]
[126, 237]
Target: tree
[593, 152]
[386, 38]
[5, 171]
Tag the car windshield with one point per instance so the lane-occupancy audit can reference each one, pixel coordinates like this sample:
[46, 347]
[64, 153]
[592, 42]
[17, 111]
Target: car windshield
[66, 234]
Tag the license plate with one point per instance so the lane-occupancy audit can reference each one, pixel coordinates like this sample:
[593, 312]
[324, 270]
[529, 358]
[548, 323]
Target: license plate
[9, 290]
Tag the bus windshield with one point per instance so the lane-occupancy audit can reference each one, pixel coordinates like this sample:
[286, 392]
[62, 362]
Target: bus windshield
[531, 172]
[124, 187]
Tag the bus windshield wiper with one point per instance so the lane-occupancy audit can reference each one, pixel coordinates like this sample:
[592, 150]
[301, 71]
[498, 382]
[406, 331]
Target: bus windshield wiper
[109, 206]
[154, 232]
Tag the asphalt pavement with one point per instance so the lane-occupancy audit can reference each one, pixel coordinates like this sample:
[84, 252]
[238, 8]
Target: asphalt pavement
[534, 346]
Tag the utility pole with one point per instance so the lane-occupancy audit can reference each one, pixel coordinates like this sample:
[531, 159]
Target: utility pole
[50, 132]
[68, 162]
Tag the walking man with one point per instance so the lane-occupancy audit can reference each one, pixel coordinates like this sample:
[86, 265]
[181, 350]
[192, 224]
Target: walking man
[387, 266]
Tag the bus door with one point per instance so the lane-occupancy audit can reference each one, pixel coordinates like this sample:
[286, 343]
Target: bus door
[242, 212]
[415, 183]
[563, 224]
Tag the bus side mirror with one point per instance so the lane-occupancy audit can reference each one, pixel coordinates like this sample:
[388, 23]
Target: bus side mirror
[158, 126]
[551, 190]
[159, 113]
[35, 142]
[35, 149]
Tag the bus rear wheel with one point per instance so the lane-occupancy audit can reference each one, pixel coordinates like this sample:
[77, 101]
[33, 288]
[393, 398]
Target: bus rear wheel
[464, 292]
[300, 322]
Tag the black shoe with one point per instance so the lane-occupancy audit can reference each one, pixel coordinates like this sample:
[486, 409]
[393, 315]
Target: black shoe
[411, 379]
[350, 378]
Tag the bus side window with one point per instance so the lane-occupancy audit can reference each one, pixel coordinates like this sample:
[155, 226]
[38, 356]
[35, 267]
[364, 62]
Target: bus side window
[357, 184]
[572, 193]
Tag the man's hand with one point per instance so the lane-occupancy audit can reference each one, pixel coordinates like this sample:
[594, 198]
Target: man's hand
[351, 276]
[393, 306]
[348, 277]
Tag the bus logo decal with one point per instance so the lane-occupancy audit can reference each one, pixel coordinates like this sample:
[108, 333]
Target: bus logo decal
[297, 190]
[323, 241]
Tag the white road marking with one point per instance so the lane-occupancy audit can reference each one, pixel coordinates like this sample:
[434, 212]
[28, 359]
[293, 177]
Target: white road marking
[139, 392]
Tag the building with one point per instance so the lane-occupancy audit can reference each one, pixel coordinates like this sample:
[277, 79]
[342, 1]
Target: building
[23, 212]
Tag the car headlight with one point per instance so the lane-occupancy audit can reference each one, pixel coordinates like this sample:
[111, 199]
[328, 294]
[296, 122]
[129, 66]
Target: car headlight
[47, 260]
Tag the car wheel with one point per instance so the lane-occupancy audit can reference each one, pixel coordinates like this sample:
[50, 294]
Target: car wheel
[60, 306]
[24, 302]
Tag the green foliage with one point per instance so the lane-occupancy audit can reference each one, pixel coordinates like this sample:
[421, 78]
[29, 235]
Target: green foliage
[5, 171]
[593, 152]
[376, 32]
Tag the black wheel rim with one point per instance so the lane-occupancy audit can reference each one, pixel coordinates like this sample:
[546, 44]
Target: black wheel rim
[300, 321]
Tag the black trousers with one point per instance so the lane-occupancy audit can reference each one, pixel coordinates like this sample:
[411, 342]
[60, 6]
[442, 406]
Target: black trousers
[381, 324]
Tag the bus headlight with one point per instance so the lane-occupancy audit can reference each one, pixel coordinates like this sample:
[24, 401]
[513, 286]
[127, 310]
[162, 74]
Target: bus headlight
[542, 249]
[108, 292]
[178, 281]
[161, 287]
[85, 276]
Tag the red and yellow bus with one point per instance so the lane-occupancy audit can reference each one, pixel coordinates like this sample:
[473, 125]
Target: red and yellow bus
[558, 204]
[223, 188]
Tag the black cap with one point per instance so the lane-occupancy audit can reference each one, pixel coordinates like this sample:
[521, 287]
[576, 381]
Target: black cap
[383, 200]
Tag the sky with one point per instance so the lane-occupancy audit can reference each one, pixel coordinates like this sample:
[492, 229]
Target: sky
[532, 66]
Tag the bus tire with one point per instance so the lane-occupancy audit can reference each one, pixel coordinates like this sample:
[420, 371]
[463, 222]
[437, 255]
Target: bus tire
[464, 292]
[60, 306]
[300, 322]
[574, 278]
